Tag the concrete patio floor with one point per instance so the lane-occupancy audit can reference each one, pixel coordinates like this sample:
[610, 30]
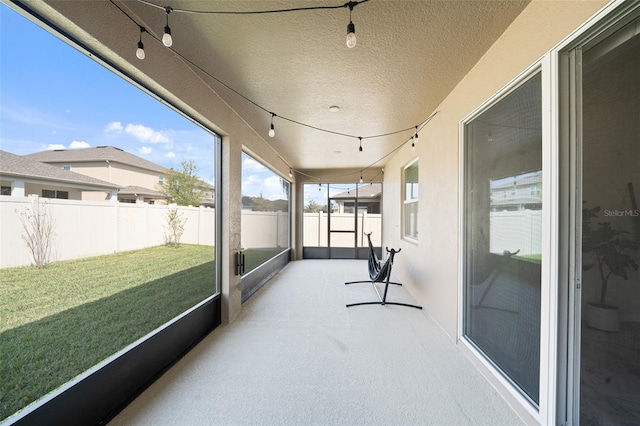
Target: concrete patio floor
[297, 356]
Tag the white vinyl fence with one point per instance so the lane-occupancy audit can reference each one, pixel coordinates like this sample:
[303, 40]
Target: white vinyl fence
[315, 229]
[516, 230]
[87, 228]
[265, 229]
[94, 228]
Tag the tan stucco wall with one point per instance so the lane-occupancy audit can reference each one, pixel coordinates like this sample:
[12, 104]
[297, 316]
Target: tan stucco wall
[120, 174]
[36, 189]
[430, 267]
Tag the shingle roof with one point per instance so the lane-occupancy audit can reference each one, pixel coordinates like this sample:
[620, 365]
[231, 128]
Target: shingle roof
[100, 153]
[24, 167]
[140, 190]
[372, 190]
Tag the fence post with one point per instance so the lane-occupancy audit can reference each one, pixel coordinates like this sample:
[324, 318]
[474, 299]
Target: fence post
[199, 226]
[116, 227]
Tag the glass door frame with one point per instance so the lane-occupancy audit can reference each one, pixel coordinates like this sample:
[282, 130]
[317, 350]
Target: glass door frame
[342, 250]
[567, 80]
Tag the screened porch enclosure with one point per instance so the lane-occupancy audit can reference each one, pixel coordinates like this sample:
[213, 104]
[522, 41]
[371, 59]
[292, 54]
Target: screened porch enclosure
[337, 218]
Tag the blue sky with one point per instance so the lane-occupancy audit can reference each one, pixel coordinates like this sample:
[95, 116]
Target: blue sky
[53, 96]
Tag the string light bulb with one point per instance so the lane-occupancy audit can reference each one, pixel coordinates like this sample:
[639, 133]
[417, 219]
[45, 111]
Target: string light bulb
[272, 130]
[361, 180]
[360, 148]
[290, 172]
[167, 40]
[351, 28]
[351, 35]
[413, 144]
[140, 50]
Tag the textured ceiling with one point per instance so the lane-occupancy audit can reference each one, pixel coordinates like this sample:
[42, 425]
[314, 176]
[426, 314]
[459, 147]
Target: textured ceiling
[409, 56]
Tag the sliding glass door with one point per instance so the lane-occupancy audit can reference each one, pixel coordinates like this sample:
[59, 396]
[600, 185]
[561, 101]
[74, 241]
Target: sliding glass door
[607, 324]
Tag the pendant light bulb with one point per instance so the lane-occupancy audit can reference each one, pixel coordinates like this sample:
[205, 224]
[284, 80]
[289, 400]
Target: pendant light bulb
[140, 51]
[272, 130]
[166, 37]
[351, 35]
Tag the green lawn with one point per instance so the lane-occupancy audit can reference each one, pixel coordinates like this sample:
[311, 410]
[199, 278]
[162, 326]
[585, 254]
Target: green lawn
[59, 321]
[256, 257]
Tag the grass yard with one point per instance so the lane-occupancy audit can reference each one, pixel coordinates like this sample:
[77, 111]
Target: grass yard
[256, 257]
[59, 321]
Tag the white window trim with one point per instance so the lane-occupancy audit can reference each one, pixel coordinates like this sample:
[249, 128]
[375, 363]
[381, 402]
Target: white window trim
[506, 387]
[404, 235]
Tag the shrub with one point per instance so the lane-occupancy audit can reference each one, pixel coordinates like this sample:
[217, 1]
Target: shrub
[175, 227]
[38, 231]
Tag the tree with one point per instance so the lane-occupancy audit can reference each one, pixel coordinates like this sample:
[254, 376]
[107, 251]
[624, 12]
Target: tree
[183, 187]
[314, 207]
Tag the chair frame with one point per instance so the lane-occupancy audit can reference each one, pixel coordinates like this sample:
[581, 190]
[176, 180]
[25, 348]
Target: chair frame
[383, 276]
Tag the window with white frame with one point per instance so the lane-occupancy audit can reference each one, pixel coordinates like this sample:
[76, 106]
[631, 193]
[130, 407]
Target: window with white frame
[503, 234]
[410, 201]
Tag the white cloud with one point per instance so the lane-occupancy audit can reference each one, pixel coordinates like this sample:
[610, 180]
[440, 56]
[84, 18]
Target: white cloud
[251, 165]
[270, 187]
[170, 154]
[146, 134]
[113, 127]
[79, 144]
[145, 150]
[72, 145]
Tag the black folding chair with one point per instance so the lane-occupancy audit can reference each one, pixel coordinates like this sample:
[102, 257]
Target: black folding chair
[383, 275]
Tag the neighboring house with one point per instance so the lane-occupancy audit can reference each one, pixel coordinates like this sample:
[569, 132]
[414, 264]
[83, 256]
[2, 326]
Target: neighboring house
[21, 176]
[208, 195]
[139, 178]
[369, 197]
[521, 192]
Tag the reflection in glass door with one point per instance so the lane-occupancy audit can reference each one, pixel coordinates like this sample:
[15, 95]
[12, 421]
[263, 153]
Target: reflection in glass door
[609, 300]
